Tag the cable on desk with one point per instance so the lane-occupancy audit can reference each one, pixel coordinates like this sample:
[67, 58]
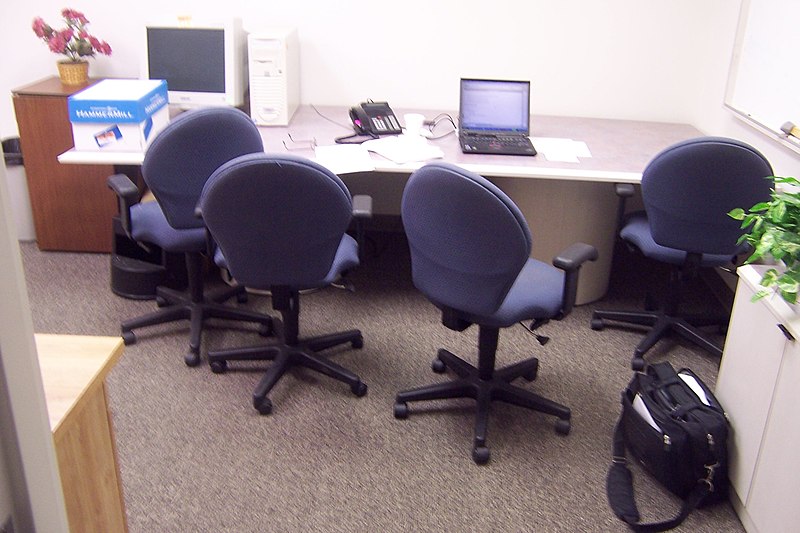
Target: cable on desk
[438, 119]
[345, 126]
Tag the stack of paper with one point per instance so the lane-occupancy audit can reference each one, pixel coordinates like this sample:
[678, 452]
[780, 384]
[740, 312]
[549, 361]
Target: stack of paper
[404, 148]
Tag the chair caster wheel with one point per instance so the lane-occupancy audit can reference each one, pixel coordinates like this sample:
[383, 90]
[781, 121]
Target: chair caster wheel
[438, 366]
[480, 454]
[637, 364]
[192, 359]
[128, 338]
[530, 375]
[563, 426]
[358, 343]
[597, 324]
[401, 410]
[359, 389]
[218, 367]
[266, 330]
[262, 405]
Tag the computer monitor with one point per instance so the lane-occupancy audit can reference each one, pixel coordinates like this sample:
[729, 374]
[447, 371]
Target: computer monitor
[204, 64]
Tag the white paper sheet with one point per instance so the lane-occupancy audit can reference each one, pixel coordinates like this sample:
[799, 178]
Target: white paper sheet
[695, 386]
[561, 150]
[644, 412]
[404, 149]
[344, 158]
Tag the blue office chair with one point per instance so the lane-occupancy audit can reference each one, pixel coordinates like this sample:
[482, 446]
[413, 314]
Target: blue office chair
[280, 222]
[176, 166]
[470, 256]
[688, 190]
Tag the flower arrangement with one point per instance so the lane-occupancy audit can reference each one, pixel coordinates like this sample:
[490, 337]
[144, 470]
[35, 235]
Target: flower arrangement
[73, 41]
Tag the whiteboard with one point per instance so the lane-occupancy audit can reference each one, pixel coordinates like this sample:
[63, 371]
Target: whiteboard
[764, 81]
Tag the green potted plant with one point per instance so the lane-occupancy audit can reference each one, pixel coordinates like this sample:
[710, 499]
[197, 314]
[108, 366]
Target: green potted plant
[773, 230]
[72, 41]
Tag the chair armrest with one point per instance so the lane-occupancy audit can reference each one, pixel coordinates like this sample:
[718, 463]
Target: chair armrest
[624, 191]
[362, 206]
[570, 261]
[127, 195]
[362, 210]
[211, 244]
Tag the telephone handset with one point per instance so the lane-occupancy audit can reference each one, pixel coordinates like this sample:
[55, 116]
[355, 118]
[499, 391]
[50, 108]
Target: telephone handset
[374, 118]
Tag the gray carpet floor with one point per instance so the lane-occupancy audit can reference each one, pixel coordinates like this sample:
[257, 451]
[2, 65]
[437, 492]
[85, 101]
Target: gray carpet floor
[195, 456]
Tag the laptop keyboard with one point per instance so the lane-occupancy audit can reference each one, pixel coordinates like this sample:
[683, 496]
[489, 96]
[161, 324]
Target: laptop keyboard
[497, 144]
[503, 140]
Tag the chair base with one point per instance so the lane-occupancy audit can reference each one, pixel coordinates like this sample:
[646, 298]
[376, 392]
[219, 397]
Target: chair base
[285, 356]
[483, 389]
[662, 324]
[292, 351]
[195, 307]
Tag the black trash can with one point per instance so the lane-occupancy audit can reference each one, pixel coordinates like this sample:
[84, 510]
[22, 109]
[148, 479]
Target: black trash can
[18, 189]
[12, 151]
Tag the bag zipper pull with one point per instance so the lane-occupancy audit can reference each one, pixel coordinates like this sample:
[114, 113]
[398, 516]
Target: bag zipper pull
[667, 442]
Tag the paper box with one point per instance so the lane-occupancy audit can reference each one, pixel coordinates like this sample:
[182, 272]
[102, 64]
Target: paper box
[118, 115]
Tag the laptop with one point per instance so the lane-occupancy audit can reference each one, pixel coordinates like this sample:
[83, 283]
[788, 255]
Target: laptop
[494, 117]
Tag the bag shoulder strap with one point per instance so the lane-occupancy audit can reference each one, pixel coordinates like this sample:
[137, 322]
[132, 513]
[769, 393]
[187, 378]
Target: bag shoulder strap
[619, 489]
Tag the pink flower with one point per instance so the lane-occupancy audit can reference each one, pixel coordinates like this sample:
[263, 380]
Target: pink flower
[74, 40]
[76, 17]
[57, 44]
[40, 28]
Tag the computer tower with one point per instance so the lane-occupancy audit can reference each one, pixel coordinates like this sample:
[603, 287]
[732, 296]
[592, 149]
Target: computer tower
[274, 65]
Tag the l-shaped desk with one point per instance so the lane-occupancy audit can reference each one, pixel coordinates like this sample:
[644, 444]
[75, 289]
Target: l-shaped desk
[564, 202]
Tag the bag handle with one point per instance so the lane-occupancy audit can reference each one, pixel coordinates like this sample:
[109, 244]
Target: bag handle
[619, 489]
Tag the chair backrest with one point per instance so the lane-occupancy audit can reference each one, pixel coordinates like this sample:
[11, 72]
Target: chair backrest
[278, 219]
[468, 240]
[689, 188]
[188, 150]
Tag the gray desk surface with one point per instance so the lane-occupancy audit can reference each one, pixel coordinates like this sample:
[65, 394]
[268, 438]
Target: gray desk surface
[620, 148]
[549, 193]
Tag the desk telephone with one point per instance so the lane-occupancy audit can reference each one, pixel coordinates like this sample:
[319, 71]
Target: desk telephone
[374, 118]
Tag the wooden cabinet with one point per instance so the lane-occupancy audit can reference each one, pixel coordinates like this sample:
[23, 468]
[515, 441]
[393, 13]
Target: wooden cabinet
[74, 369]
[71, 204]
[759, 386]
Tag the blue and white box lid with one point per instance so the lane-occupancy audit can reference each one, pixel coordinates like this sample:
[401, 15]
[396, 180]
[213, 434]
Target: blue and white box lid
[118, 101]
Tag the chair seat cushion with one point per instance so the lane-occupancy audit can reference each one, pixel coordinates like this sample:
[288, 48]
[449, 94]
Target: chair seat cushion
[537, 292]
[346, 258]
[150, 225]
[637, 232]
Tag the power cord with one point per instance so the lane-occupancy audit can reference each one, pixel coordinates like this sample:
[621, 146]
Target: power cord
[438, 119]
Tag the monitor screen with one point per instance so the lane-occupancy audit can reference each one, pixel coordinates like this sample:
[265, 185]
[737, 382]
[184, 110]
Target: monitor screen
[495, 105]
[190, 59]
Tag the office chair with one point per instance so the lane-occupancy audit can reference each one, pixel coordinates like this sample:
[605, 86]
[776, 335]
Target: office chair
[470, 256]
[687, 191]
[279, 222]
[176, 166]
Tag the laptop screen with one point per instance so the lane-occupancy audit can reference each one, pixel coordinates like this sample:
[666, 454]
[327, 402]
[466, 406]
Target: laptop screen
[494, 106]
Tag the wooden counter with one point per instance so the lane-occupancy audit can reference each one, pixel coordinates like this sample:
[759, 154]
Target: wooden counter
[73, 374]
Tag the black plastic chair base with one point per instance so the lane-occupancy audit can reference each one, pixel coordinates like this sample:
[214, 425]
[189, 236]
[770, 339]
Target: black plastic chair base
[662, 325]
[285, 356]
[195, 306]
[472, 382]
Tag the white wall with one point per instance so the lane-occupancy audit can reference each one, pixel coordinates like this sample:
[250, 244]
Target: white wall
[627, 59]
